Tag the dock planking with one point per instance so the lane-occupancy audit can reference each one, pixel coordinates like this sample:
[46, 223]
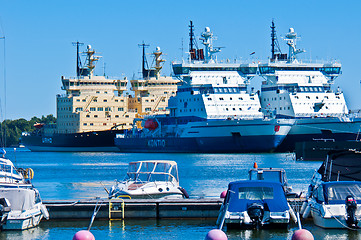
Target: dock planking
[141, 208]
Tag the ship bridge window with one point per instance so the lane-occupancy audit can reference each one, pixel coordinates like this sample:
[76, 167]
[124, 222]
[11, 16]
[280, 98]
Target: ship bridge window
[100, 109]
[92, 109]
[107, 109]
[120, 109]
[220, 90]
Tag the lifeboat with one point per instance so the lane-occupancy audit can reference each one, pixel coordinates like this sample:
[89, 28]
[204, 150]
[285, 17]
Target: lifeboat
[151, 124]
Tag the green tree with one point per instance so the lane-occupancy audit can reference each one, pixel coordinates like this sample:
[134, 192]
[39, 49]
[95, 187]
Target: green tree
[11, 129]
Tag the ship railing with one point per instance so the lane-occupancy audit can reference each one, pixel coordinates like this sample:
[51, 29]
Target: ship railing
[229, 117]
[306, 61]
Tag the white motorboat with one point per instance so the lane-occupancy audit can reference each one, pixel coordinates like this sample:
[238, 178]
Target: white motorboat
[334, 196]
[255, 204]
[149, 179]
[20, 203]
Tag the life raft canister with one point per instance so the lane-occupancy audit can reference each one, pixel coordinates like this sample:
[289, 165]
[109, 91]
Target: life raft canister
[277, 128]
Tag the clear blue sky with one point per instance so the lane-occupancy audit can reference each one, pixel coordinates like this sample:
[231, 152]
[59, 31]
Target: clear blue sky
[39, 36]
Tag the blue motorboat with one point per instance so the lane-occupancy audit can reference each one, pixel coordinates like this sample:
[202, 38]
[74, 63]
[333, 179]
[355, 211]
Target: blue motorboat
[254, 204]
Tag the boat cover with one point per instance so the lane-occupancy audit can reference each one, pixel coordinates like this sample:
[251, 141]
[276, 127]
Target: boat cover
[242, 194]
[343, 165]
[20, 198]
[336, 192]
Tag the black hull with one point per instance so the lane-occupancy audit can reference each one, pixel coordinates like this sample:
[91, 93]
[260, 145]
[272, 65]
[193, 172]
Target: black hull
[100, 141]
[318, 150]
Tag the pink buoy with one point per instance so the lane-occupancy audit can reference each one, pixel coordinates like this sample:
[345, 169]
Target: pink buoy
[83, 235]
[223, 194]
[216, 234]
[302, 234]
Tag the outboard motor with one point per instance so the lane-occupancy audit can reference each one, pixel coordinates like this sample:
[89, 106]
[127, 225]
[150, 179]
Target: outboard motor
[4, 210]
[351, 207]
[255, 212]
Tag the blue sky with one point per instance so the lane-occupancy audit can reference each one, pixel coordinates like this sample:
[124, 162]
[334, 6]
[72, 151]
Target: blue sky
[39, 36]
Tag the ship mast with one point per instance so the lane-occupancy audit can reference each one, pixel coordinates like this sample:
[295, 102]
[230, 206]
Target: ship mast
[78, 60]
[193, 48]
[274, 43]
[144, 61]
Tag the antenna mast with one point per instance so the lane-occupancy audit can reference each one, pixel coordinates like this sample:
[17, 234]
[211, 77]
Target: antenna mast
[144, 61]
[78, 60]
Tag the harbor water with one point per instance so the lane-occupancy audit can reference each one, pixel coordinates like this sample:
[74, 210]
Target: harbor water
[74, 176]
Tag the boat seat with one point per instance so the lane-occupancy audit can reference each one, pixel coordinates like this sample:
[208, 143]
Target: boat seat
[135, 186]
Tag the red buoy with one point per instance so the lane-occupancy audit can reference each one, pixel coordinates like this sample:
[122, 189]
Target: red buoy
[302, 234]
[83, 235]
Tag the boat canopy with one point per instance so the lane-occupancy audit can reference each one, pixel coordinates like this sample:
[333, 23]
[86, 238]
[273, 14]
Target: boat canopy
[341, 166]
[21, 199]
[242, 194]
[153, 170]
[336, 192]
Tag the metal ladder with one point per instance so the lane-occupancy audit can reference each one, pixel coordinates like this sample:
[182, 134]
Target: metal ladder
[116, 207]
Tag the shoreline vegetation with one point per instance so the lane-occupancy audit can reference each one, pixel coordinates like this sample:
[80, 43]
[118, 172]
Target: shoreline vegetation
[11, 129]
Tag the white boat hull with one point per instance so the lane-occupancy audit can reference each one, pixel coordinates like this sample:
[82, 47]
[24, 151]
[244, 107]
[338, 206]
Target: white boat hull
[18, 220]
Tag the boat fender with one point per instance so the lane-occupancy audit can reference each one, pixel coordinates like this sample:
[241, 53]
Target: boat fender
[185, 194]
[44, 211]
[292, 213]
[303, 207]
[307, 211]
[29, 173]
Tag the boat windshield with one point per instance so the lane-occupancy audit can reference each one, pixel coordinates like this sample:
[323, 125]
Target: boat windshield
[338, 193]
[275, 176]
[152, 171]
[255, 193]
[6, 168]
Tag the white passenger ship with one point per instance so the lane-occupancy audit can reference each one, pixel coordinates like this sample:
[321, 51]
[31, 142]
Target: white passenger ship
[301, 90]
[213, 111]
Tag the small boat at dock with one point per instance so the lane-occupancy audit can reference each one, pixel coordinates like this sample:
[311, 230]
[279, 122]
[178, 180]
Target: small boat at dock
[254, 204]
[20, 203]
[150, 179]
[334, 195]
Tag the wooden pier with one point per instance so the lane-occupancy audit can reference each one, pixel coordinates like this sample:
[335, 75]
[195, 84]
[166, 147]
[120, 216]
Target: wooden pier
[140, 208]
